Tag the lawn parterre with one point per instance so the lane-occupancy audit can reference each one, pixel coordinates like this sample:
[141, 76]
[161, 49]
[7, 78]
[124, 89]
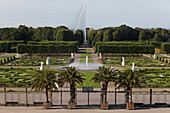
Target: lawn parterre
[36, 61]
[157, 77]
[141, 62]
[17, 77]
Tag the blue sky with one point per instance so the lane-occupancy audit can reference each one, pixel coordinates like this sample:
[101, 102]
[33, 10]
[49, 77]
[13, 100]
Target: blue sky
[100, 13]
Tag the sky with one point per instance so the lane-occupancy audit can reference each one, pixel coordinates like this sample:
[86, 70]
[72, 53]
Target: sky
[99, 13]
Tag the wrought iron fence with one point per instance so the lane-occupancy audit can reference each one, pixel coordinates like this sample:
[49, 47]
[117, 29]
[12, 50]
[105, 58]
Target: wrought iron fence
[93, 98]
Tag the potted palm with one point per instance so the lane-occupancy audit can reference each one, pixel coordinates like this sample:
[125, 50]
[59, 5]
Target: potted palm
[72, 76]
[104, 75]
[129, 79]
[44, 80]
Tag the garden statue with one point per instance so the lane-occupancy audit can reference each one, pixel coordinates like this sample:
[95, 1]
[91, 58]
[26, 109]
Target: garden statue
[100, 55]
[17, 55]
[48, 61]
[41, 67]
[154, 56]
[133, 66]
[123, 61]
[72, 55]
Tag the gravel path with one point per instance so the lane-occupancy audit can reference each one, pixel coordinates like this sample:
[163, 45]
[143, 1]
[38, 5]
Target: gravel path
[92, 110]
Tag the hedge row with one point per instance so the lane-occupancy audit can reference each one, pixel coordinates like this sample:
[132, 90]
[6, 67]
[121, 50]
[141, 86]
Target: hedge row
[8, 46]
[165, 47]
[32, 48]
[119, 43]
[77, 43]
[156, 44]
[129, 49]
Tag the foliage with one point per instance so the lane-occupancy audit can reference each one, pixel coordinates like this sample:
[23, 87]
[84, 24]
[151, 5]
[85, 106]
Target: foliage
[104, 75]
[30, 48]
[129, 49]
[44, 80]
[165, 47]
[129, 79]
[71, 75]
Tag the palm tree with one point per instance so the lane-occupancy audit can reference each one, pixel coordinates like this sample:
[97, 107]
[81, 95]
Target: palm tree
[72, 75]
[44, 80]
[129, 79]
[104, 75]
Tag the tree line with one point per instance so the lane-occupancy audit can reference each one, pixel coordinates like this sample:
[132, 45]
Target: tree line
[25, 33]
[126, 33]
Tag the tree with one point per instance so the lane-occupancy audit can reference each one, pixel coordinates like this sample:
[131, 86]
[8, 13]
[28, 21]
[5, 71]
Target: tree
[79, 36]
[107, 35]
[44, 80]
[71, 75]
[104, 75]
[129, 79]
[145, 35]
[65, 35]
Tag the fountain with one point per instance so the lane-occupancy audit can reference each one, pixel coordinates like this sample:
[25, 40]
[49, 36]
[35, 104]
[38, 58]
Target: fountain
[41, 67]
[123, 61]
[86, 65]
[81, 23]
[47, 61]
[86, 60]
[133, 66]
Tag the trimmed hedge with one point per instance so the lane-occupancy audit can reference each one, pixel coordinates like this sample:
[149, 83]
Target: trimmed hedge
[156, 44]
[32, 48]
[77, 43]
[165, 47]
[5, 46]
[9, 46]
[119, 43]
[128, 49]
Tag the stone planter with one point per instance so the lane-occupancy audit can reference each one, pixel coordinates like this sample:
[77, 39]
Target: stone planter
[47, 105]
[71, 105]
[104, 106]
[130, 106]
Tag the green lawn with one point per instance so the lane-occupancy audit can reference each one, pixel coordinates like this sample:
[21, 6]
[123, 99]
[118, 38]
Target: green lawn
[85, 51]
[160, 56]
[84, 55]
[84, 60]
[88, 82]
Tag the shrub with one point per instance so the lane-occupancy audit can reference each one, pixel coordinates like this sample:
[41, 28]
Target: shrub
[129, 49]
[31, 48]
[165, 47]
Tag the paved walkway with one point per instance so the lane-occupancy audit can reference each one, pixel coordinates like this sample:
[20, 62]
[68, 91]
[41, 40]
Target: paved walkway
[165, 55]
[84, 47]
[61, 110]
[94, 56]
